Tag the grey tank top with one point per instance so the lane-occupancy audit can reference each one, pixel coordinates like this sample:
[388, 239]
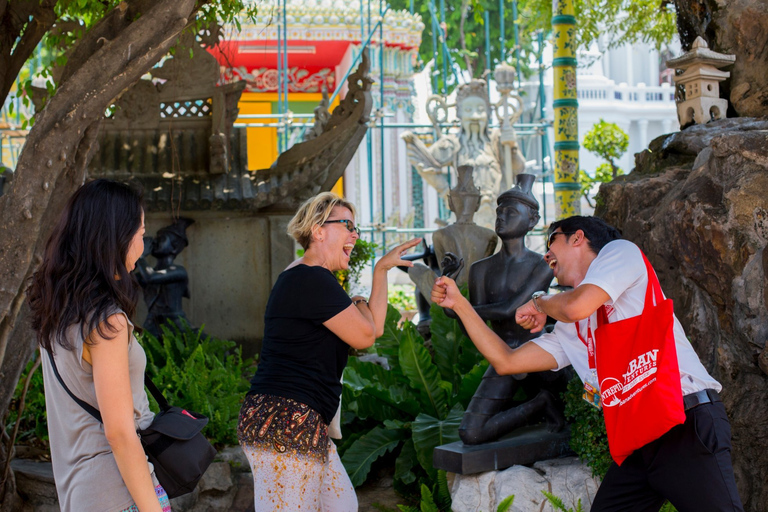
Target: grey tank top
[84, 468]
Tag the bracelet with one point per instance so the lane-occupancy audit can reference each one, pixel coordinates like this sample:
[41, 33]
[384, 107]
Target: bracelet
[358, 301]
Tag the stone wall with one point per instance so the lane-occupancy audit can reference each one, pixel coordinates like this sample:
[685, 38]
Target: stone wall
[697, 204]
[233, 259]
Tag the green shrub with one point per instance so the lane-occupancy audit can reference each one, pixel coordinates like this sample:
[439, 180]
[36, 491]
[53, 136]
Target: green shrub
[405, 412]
[361, 255]
[202, 374]
[33, 423]
[588, 437]
[402, 297]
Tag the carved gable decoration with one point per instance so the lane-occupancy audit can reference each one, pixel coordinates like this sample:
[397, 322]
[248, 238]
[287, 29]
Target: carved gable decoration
[181, 95]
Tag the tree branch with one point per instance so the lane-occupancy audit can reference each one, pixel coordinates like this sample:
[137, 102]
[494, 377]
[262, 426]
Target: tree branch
[59, 128]
[21, 36]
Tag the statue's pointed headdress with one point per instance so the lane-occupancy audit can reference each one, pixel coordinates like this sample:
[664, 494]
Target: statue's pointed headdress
[521, 192]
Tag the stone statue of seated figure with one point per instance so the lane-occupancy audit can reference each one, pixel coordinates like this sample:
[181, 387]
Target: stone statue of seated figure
[167, 283]
[463, 238]
[498, 285]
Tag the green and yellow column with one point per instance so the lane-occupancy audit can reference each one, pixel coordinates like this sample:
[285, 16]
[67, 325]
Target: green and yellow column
[566, 105]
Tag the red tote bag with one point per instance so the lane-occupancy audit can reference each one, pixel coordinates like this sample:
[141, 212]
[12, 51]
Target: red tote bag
[639, 377]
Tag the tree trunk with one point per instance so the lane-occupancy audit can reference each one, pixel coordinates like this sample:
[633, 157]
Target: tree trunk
[115, 53]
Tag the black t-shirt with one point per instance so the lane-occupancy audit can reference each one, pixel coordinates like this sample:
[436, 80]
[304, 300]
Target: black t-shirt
[300, 358]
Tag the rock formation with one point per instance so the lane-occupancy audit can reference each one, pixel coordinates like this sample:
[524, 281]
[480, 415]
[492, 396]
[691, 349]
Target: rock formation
[697, 204]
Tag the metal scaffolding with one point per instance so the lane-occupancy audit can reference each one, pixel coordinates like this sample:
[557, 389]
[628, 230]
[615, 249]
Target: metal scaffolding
[291, 126]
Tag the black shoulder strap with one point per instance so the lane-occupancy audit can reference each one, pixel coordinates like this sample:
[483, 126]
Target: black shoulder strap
[159, 398]
[88, 407]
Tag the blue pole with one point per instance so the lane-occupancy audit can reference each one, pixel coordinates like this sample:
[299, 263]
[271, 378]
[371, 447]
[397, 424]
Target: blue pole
[354, 61]
[502, 39]
[487, 23]
[517, 41]
[542, 112]
[442, 41]
[285, 70]
[381, 125]
[434, 56]
[446, 55]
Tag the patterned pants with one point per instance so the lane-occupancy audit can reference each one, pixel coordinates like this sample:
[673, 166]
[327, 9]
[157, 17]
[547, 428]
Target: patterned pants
[161, 495]
[295, 466]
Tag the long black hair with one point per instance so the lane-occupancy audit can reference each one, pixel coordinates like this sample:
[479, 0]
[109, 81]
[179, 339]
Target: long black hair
[83, 278]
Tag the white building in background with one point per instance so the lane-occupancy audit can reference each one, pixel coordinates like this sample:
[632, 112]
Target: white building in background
[629, 86]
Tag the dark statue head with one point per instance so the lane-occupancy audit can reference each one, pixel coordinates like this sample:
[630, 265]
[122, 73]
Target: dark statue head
[518, 210]
[171, 239]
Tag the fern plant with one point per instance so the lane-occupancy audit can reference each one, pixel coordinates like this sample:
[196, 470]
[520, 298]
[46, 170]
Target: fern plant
[558, 504]
[506, 504]
[200, 373]
[413, 407]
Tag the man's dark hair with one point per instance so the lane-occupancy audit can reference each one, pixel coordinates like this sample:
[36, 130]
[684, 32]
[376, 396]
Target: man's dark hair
[596, 230]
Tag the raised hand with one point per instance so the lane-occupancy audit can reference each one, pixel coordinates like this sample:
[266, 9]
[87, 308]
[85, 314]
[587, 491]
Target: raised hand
[394, 257]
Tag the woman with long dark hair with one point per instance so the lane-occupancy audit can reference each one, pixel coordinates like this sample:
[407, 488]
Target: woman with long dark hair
[82, 299]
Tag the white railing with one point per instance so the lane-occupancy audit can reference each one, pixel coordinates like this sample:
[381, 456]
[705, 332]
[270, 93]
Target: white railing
[640, 93]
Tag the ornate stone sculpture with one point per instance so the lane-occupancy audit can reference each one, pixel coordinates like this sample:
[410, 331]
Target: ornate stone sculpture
[494, 156]
[464, 238]
[698, 98]
[167, 283]
[498, 285]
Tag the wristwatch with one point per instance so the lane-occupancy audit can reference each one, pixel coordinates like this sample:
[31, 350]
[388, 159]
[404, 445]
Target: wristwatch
[535, 298]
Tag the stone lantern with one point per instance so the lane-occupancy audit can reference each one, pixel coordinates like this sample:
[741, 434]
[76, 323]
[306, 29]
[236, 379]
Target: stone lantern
[701, 79]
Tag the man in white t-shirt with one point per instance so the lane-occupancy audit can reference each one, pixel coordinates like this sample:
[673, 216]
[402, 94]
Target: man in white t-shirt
[690, 465]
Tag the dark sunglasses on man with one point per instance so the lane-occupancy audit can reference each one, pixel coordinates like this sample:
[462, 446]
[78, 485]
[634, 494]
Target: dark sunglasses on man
[554, 234]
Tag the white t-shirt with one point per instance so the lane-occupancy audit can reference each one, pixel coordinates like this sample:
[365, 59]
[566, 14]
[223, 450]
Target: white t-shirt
[620, 271]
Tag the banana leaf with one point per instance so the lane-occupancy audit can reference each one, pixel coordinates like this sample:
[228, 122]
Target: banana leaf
[364, 405]
[422, 373]
[365, 451]
[405, 463]
[393, 395]
[430, 432]
[388, 344]
[446, 341]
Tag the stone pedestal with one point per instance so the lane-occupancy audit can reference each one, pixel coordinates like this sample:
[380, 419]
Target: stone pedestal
[522, 446]
[566, 478]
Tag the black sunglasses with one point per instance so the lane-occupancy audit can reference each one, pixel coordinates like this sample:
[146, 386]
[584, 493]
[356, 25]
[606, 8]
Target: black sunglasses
[554, 234]
[350, 225]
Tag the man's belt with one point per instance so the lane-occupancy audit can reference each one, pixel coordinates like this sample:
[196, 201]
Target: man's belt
[704, 396]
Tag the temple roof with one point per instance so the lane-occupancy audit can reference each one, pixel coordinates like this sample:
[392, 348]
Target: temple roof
[328, 20]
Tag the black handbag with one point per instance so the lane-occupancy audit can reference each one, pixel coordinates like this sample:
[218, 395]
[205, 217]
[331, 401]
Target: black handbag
[173, 442]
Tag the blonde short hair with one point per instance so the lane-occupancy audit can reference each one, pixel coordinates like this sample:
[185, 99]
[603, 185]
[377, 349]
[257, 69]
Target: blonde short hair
[314, 212]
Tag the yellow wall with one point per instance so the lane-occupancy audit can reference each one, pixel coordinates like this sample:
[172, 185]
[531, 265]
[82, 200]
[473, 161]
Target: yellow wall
[262, 142]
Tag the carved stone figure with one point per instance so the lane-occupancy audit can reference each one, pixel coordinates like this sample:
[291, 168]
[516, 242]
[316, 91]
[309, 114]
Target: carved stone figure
[464, 238]
[475, 145]
[167, 283]
[498, 285]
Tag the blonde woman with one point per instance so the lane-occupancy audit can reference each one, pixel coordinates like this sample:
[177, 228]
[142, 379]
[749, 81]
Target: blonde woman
[310, 323]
